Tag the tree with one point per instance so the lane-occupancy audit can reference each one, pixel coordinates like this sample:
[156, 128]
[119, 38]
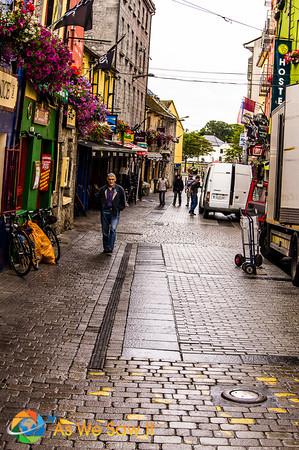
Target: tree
[234, 152]
[195, 145]
[221, 130]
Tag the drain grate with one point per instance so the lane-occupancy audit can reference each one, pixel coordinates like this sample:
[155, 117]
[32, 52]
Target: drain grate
[101, 346]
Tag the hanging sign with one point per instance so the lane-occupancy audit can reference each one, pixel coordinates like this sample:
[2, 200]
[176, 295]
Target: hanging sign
[45, 172]
[8, 91]
[112, 121]
[41, 115]
[281, 72]
[71, 117]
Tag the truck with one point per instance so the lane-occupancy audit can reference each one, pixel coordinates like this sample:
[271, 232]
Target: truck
[280, 232]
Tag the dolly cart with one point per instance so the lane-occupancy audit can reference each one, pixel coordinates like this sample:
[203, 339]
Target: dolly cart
[251, 258]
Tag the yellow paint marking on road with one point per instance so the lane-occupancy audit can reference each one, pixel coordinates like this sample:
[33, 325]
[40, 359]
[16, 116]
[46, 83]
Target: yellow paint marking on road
[107, 389]
[228, 434]
[100, 393]
[297, 380]
[66, 422]
[267, 379]
[101, 421]
[296, 423]
[278, 410]
[137, 374]
[284, 394]
[218, 408]
[136, 417]
[294, 400]
[242, 421]
[164, 401]
[143, 437]
[225, 414]
[96, 374]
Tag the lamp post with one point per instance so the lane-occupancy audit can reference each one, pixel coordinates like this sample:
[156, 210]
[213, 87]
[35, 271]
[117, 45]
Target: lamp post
[145, 75]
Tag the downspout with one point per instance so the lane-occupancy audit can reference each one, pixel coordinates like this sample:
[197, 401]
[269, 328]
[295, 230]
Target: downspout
[290, 14]
[115, 61]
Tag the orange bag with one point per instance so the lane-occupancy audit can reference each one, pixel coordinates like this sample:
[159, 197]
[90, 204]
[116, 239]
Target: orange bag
[43, 247]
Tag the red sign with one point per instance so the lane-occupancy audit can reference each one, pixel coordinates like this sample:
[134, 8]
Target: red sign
[257, 150]
[45, 172]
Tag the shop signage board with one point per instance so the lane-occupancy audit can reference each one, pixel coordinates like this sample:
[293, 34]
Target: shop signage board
[112, 121]
[45, 172]
[41, 115]
[281, 72]
[71, 117]
[8, 91]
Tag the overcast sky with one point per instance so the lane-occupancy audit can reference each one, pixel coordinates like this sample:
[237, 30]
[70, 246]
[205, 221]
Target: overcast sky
[188, 39]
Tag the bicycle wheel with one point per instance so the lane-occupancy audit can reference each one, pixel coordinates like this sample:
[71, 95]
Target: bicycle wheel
[20, 253]
[54, 241]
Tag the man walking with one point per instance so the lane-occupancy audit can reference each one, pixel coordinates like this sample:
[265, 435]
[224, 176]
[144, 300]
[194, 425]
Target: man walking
[162, 188]
[178, 187]
[194, 194]
[112, 200]
[188, 183]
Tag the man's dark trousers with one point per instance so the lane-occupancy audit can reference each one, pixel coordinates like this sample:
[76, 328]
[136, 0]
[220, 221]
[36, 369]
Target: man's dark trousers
[109, 224]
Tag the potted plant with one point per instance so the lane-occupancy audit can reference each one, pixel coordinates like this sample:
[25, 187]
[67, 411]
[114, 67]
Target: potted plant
[292, 57]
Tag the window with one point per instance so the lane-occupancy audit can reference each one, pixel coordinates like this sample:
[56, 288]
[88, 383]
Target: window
[136, 52]
[49, 12]
[128, 39]
[122, 32]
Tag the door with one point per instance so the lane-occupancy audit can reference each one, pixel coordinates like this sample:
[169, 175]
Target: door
[220, 186]
[83, 179]
[243, 179]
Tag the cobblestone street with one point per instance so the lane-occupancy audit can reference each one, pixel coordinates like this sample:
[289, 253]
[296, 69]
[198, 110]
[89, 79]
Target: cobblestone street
[150, 337]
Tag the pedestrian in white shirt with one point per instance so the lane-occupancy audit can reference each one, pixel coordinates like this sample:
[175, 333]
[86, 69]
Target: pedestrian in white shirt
[162, 188]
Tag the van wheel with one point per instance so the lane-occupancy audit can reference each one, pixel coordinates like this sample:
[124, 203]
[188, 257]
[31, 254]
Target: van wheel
[206, 214]
[295, 261]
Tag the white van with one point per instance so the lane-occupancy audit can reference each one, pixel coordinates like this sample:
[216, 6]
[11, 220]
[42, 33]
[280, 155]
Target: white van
[225, 188]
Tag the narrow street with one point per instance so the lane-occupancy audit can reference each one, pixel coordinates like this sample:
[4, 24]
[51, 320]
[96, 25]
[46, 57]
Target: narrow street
[152, 335]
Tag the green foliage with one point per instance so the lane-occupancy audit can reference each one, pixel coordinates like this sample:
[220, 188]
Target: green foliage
[195, 145]
[221, 130]
[234, 153]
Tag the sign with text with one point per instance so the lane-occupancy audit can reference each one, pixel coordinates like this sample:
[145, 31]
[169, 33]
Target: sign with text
[8, 91]
[41, 115]
[281, 72]
[45, 172]
[111, 119]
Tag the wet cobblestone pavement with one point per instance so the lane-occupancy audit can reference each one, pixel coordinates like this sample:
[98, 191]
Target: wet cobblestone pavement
[188, 326]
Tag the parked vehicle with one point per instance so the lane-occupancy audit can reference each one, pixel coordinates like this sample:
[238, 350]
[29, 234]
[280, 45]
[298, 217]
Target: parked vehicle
[280, 233]
[225, 188]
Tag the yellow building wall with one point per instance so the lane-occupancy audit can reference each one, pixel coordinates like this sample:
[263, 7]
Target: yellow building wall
[178, 152]
[59, 9]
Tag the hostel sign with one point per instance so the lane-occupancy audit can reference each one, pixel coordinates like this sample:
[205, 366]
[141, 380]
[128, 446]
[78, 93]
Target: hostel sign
[282, 70]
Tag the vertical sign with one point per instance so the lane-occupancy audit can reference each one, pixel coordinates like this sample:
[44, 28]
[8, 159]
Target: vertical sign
[282, 70]
[45, 172]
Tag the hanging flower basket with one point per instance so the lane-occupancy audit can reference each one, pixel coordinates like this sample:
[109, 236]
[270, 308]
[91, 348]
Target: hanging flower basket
[292, 57]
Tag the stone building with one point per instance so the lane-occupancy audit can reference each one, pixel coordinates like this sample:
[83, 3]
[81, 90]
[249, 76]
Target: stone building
[111, 20]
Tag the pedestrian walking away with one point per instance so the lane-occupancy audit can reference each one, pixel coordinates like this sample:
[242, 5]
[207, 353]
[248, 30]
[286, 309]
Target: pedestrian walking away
[112, 201]
[188, 183]
[162, 188]
[194, 194]
[178, 187]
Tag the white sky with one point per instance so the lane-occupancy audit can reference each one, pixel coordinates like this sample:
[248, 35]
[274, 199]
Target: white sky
[183, 38]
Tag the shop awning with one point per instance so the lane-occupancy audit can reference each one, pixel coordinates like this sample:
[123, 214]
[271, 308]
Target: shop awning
[154, 155]
[109, 150]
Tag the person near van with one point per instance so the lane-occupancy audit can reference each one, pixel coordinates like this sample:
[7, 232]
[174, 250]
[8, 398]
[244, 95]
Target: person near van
[194, 194]
[188, 183]
[162, 189]
[178, 187]
[112, 201]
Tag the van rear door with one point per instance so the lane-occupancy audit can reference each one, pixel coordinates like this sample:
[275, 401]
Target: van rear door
[243, 177]
[220, 186]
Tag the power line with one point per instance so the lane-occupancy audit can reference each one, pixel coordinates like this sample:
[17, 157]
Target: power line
[198, 71]
[235, 83]
[208, 11]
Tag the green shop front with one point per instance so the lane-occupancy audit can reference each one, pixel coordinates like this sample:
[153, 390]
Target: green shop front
[38, 139]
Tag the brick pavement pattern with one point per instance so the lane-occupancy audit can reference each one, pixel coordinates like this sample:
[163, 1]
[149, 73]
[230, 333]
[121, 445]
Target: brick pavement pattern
[188, 317]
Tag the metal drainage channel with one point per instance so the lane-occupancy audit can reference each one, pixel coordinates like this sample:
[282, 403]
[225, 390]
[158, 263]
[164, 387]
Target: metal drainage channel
[101, 346]
[245, 396]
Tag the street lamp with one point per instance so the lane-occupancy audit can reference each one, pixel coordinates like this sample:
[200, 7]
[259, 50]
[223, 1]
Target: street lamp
[181, 119]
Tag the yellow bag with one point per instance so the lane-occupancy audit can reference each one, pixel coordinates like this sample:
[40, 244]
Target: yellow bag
[43, 247]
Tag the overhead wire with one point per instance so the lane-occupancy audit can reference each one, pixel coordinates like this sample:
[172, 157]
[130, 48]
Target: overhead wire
[208, 11]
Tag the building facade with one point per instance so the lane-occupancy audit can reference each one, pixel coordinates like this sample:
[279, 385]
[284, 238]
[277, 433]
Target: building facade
[113, 19]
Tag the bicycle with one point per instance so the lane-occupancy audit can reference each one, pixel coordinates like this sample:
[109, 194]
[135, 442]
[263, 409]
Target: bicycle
[19, 246]
[44, 219]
